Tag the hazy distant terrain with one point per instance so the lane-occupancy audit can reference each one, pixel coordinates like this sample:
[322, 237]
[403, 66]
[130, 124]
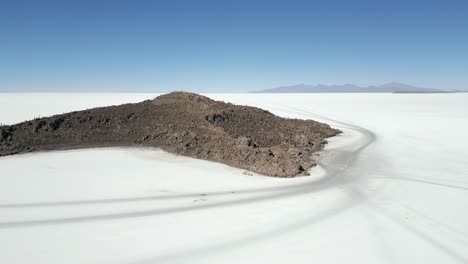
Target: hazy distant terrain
[393, 87]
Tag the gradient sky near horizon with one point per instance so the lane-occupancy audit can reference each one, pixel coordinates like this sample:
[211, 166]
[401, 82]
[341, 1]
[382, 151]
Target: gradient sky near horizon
[230, 46]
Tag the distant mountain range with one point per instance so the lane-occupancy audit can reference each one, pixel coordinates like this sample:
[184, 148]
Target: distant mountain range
[393, 87]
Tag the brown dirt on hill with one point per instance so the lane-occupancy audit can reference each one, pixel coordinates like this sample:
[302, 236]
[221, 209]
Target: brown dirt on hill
[183, 123]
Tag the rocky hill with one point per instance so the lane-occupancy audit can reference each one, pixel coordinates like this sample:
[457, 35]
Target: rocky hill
[183, 123]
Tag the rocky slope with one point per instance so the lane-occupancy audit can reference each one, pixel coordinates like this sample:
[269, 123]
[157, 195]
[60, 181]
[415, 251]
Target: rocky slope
[182, 123]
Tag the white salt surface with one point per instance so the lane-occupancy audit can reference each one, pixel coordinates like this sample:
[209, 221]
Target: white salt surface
[392, 189]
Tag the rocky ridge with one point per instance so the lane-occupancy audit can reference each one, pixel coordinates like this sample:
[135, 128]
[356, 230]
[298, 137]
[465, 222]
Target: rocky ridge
[183, 123]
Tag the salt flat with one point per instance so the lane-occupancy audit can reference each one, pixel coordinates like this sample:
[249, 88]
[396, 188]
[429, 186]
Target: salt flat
[391, 189]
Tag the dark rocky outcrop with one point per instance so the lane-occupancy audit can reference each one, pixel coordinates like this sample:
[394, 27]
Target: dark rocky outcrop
[183, 123]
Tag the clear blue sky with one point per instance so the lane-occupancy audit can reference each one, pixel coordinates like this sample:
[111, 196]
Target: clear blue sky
[230, 45]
